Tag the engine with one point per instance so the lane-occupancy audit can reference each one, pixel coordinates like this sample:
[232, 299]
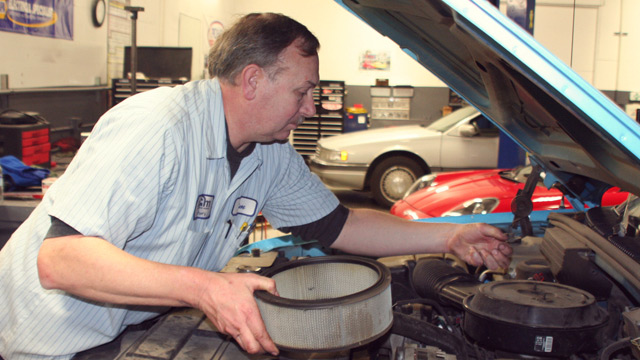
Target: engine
[571, 292]
[561, 298]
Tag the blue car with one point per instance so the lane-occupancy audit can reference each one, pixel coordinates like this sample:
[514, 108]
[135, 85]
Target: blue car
[573, 288]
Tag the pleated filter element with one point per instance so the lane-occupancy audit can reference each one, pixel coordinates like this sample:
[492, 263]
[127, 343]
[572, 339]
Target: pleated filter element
[328, 303]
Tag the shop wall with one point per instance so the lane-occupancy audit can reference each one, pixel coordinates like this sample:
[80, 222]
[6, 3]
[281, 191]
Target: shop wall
[581, 36]
[35, 61]
[584, 38]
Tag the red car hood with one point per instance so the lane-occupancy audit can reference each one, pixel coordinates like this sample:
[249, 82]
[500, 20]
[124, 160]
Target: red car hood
[449, 190]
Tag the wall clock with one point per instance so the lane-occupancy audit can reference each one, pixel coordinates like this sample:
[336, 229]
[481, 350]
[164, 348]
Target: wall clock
[98, 12]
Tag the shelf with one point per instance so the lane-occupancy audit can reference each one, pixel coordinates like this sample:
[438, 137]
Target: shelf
[328, 97]
[121, 88]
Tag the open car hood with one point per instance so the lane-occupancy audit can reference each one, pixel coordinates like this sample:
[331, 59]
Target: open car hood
[578, 135]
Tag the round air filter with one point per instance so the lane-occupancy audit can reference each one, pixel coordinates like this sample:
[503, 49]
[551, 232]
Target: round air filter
[328, 303]
[534, 318]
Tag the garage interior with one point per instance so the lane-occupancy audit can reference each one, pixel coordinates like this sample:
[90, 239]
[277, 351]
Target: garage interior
[70, 83]
[54, 90]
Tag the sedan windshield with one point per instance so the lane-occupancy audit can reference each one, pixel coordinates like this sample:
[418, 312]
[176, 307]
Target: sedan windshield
[445, 123]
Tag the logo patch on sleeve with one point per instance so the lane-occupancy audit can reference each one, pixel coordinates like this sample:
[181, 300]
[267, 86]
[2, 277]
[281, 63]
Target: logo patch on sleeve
[244, 206]
[203, 207]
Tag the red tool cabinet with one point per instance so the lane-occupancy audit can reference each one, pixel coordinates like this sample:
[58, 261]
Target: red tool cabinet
[28, 142]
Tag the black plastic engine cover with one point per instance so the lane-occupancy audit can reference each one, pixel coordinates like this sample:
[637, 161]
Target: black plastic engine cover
[534, 318]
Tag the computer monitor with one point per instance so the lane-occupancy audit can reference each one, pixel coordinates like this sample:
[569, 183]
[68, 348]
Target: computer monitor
[157, 62]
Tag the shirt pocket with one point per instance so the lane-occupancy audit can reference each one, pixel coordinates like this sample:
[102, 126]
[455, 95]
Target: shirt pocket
[197, 237]
[204, 226]
[241, 228]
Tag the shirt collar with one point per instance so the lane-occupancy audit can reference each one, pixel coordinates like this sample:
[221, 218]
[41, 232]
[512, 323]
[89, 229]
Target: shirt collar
[215, 128]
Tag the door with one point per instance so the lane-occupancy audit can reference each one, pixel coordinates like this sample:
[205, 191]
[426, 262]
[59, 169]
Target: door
[460, 151]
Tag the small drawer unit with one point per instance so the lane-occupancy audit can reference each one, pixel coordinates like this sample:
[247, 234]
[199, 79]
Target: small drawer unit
[28, 142]
[328, 98]
[121, 88]
[391, 103]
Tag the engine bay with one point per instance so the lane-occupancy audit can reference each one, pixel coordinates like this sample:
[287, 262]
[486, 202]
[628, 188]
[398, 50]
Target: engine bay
[571, 292]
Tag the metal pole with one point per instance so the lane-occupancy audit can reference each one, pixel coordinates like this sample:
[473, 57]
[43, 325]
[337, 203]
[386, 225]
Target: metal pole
[134, 47]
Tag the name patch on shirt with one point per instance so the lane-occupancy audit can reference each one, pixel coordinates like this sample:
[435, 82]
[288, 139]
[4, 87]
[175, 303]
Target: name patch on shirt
[203, 207]
[244, 206]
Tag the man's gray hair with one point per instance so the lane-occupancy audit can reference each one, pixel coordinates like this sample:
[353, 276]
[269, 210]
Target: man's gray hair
[258, 39]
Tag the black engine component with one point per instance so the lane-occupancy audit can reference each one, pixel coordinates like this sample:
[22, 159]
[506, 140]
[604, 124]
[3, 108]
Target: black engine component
[571, 264]
[534, 318]
[534, 269]
[425, 333]
[437, 280]
[523, 317]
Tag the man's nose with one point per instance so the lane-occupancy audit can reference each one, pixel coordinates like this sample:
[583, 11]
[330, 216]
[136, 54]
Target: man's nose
[308, 108]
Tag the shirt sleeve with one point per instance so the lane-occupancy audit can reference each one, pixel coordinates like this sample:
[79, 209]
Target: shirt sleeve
[325, 230]
[115, 184]
[296, 195]
[59, 228]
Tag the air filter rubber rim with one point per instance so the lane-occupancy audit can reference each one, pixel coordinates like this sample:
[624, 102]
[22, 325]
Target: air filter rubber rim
[382, 284]
[378, 287]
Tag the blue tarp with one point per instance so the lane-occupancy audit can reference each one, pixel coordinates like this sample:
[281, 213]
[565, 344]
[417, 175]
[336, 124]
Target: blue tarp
[16, 174]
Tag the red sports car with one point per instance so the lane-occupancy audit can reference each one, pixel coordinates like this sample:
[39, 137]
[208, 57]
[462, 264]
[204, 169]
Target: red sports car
[481, 192]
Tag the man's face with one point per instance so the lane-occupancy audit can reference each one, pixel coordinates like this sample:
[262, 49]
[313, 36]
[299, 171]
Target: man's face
[287, 99]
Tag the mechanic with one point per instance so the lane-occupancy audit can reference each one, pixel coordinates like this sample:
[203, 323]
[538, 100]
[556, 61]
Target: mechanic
[163, 191]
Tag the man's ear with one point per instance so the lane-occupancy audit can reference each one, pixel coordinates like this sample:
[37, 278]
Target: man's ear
[250, 77]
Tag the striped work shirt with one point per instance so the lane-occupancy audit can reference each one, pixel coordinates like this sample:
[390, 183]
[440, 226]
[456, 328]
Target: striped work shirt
[152, 179]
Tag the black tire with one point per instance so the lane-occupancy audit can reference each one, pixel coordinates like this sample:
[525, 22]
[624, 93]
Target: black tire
[392, 177]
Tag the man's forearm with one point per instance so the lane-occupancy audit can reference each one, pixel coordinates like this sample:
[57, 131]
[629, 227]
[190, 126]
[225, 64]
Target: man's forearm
[370, 232]
[93, 268]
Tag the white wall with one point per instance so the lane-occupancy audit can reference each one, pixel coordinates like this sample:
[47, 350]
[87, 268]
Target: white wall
[617, 51]
[36, 62]
[342, 36]
[599, 41]
[588, 44]
[583, 38]
[343, 39]
[569, 35]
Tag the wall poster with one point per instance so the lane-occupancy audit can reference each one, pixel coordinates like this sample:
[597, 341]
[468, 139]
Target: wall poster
[371, 60]
[48, 18]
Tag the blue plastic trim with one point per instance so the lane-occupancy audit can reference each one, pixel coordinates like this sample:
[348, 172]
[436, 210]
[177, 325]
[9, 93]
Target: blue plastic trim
[291, 245]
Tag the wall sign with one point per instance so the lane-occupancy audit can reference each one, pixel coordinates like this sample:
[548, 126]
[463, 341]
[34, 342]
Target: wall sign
[48, 18]
[372, 60]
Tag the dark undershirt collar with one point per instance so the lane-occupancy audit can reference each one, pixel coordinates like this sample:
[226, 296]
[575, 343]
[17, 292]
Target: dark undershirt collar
[234, 157]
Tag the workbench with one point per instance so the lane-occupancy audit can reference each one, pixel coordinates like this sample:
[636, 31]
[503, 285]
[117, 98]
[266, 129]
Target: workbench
[12, 214]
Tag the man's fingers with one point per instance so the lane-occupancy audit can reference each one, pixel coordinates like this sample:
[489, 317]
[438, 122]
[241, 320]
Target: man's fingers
[502, 259]
[489, 261]
[238, 339]
[263, 283]
[233, 310]
[474, 258]
[256, 344]
[492, 232]
[258, 333]
[249, 343]
[253, 336]
[505, 249]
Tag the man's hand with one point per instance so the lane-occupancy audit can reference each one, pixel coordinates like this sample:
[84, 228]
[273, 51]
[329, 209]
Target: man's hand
[230, 305]
[479, 244]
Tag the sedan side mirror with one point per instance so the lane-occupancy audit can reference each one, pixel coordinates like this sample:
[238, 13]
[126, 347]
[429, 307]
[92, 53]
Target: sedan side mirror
[467, 130]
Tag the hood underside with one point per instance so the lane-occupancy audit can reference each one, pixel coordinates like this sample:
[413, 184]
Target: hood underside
[577, 134]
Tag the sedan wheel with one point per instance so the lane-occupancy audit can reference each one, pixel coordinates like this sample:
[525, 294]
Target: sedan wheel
[391, 179]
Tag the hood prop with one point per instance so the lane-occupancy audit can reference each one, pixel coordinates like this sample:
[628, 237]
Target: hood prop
[521, 205]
